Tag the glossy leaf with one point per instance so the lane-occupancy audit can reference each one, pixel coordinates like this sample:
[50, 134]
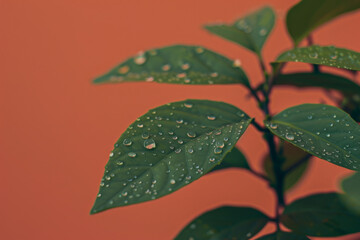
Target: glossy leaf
[177, 64]
[250, 32]
[283, 236]
[292, 155]
[234, 159]
[168, 148]
[322, 215]
[350, 185]
[327, 56]
[225, 223]
[321, 130]
[307, 15]
[322, 80]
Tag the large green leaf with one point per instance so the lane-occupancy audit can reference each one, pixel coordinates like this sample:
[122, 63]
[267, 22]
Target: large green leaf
[322, 130]
[234, 159]
[322, 80]
[177, 64]
[322, 215]
[283, 236]
[250, 32]
[225, 223]
[168, 148]
[350, 185]
[328, 56]
[307, 15]
[292, 155]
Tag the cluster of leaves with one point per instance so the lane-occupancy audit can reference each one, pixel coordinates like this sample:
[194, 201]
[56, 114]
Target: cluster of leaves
[175, 144]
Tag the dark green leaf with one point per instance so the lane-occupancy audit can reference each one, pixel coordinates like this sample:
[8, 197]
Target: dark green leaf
[177, 64]
[321, 215]
[283, 236]
[307, 15]
[351, 184]
[322, 130]
[323, 80]
[328, 56]
[168, 148]
[225, 223]
[292, 155]
[234, 159]
[250, 32]
[351, 105]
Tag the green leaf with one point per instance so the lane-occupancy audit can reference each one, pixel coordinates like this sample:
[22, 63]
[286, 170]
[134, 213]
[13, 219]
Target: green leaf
[234, 159]
[225, 223]
[292, 155]
[322, 80]
[327, 56]
[283, 236]
[351, 105]
[322, 215]
[307, 15]
[177, 64]
[250, 32]
[350, 185]
[168, 148]
[321, 130]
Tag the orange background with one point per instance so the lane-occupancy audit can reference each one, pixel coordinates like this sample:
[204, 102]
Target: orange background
[57, 129]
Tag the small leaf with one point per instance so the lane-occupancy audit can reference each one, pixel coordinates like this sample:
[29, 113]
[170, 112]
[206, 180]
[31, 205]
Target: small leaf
[307, 15]
[321, 130]
[250, 32]
[323, 80]
[283, 236]
[168, 148]
[327, 56]
[234, 159]
[177, 64]
[322, 215]
[292, 155]
[225, 223]
[350, 185]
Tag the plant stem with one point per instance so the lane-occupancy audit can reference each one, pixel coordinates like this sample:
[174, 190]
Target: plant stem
[258, 126]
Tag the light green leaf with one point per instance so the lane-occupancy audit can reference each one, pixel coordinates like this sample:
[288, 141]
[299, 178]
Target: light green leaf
[322, 215]
[283, 236]
[250, 32]
[292, 155]
[321, 130]
[307, 15]
[177, 64]
[327, 56]
[234, 159]
[225, 223]
[168, 148]
[322, 80]
[350, 185]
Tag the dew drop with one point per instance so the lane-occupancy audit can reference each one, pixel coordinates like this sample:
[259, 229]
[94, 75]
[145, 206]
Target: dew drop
[140, 125]
[212, 159]
[99, 195]
[179, 121]
[199, 50]
[149, 79]
[328, 135]
[190, 150]
[178, 150]
[140, 59]
[289, 137]
[145, 135]
[166, 67]
[218, 150]
[211, 117]
[124, 69]
[237, 63]
[149, 144]
[127, 142]
[181, 75]
[214, 74]
[188, 105]
[187, 80]
[132, 154]
[111, 154]
[120, 163]
[263, 32]
[172, 181]
[273, 126]
[191, 134]
[185, 66]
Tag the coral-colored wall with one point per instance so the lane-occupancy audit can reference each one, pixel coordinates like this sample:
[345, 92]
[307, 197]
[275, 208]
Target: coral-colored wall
[56, 129]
